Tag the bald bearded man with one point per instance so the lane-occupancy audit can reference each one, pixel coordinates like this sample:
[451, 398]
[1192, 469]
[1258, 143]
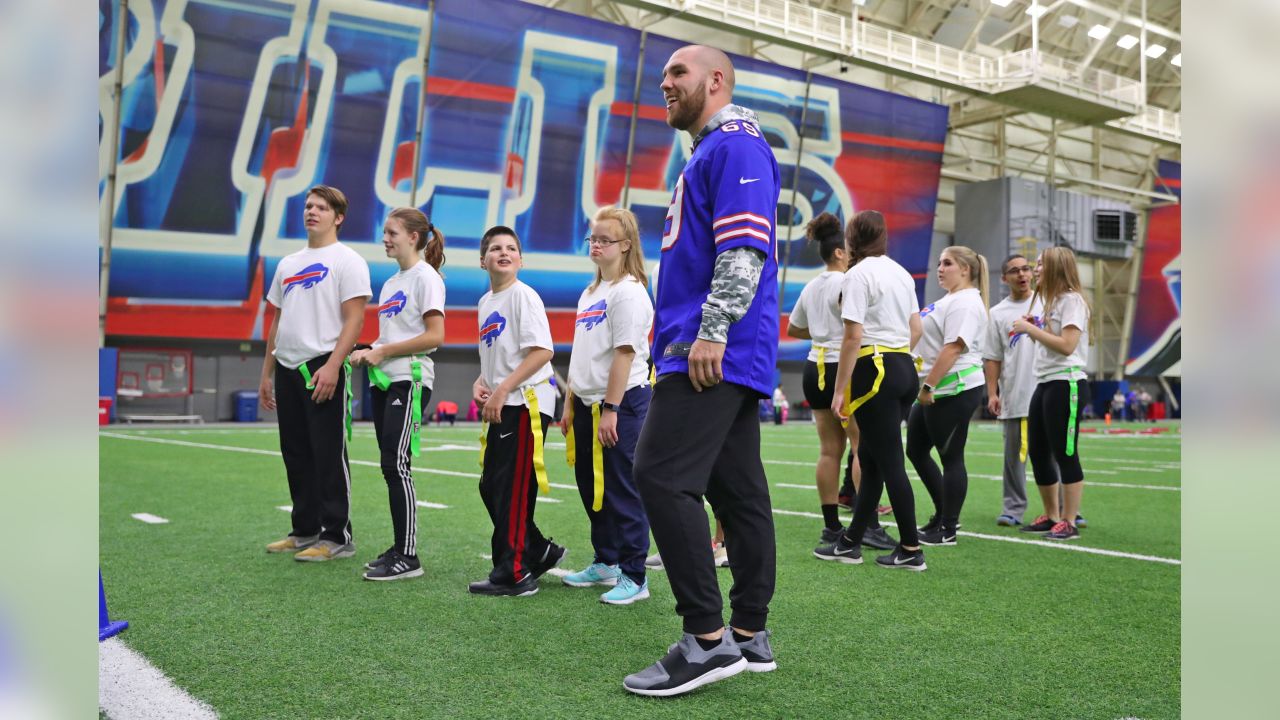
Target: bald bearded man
[715, 346]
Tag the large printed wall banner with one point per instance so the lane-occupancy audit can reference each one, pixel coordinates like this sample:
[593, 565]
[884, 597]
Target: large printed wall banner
[1156, 348]
[230, 111]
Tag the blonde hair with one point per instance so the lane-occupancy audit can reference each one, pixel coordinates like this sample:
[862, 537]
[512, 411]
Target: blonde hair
[1059, 276]
[632, 256]
[977, 265]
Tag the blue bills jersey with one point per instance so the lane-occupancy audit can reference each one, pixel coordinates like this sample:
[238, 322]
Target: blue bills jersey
[727, 197]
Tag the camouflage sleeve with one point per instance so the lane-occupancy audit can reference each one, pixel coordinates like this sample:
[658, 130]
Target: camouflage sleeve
[733, 286]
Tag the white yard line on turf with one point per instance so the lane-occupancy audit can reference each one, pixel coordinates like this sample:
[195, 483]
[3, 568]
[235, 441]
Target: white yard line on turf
[431, 505]
[286, 508]
[1044, 543]
[562, 486]
[1096, 483]
[272, 453]
[1062, 545]
[149, 519]
[130, 687]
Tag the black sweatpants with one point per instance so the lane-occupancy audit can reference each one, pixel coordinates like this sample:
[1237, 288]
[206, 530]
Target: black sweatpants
[880, 446]
[708, 443]
[314, 446]
[393, 425]
[943, 425]
[509, 490]
[1047, 432]
[620, 530]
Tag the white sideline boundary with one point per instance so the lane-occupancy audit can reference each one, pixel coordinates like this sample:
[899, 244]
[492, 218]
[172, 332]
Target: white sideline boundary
[1065, 545]
[131, 688]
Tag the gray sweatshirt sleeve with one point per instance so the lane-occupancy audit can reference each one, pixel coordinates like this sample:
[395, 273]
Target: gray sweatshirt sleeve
[733, 287]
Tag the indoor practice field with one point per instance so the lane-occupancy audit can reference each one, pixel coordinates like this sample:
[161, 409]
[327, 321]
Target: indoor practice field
[1004, 625]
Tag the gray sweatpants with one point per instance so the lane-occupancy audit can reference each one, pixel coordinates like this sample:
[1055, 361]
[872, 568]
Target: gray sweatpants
[1015, 470]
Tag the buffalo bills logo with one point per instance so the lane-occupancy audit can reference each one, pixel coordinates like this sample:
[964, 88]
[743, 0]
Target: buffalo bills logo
[1014, 337]
[491, 328]
[308, 277]
[393, 306]
[592, 316]
[924, 312]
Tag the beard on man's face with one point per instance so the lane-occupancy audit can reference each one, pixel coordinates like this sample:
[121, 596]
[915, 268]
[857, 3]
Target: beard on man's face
[689, 108]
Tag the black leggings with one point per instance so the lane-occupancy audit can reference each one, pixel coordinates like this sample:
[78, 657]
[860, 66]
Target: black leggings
[943, 425]
[1047, 432]
[880, 447]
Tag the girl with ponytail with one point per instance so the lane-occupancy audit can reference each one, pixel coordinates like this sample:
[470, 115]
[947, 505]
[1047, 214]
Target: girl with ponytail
[410, 327]
[951, 383]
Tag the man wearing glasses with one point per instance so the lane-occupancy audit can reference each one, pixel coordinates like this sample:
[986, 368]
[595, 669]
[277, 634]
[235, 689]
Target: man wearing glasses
[1008, 358]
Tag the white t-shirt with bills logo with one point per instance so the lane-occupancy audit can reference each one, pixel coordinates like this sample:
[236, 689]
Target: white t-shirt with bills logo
[1069, 310]
[818, 311]
[614, 315]
[1016, 353]
[511, 322]
[309, 287]
[406, 297]
[960, 315]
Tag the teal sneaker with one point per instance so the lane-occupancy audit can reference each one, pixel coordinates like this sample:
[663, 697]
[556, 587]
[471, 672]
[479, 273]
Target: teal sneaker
[626, 592]
[596, 574]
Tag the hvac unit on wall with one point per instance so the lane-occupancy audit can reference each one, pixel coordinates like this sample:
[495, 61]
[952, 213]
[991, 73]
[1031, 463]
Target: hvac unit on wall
[1114, 226]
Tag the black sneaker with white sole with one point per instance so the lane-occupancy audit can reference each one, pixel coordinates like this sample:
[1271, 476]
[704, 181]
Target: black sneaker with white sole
[687, 667]
[830, 535]
[551, 557]
[938, 536]
[757, 651]
[374, 563]
[878, 538]
[395, 566]
[841, 551]
[526, 587]
[934, 523]
[903, 560]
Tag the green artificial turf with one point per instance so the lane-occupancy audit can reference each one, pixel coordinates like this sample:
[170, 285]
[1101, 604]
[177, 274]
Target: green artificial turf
[992, 630]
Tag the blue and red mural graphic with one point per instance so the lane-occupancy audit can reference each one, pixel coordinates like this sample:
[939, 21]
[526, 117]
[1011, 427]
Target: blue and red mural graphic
[231, 111]
[1156, 348]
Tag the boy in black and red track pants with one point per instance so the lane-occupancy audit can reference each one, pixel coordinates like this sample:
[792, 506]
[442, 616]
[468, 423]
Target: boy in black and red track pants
[513, 387]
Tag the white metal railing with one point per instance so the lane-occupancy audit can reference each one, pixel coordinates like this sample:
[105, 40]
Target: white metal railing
[1155, 122]
[843, 35]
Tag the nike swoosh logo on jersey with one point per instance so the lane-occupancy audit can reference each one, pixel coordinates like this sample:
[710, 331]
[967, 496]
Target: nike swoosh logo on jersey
[513, 432]
[744, 181]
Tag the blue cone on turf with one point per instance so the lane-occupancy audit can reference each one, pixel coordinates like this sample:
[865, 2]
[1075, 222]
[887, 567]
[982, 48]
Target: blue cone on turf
[106, 628]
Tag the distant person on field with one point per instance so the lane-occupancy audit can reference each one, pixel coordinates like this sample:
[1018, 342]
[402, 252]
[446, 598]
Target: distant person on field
[1009, 367]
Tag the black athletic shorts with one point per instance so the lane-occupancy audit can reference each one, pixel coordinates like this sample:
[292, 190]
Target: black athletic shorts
[819, 399]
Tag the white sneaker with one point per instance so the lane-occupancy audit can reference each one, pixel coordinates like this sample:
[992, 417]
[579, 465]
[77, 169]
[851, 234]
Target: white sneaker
[721, 555]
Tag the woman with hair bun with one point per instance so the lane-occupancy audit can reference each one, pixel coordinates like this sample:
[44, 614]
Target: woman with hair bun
[816, 317]
[881, 325]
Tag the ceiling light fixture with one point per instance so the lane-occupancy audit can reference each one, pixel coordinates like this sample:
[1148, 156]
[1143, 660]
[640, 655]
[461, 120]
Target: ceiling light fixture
[1176, 60]
[1001, 3]
[1155, 51]
[1036, 11]
[1097, 32]
[1127, 41]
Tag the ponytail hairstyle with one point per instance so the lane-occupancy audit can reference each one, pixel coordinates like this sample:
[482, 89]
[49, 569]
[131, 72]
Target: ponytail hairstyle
[825, 231]
[977, 265]
[430, 239]
[632, 255]
[866, 236]
[1059, 276]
